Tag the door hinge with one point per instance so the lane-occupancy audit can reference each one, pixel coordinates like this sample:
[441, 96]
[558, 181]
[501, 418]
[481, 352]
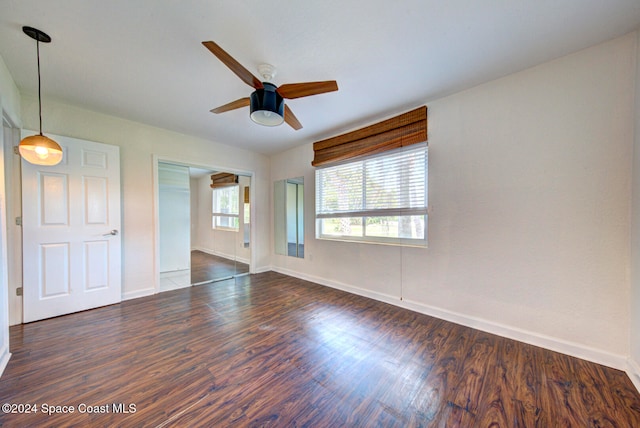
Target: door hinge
[16, 150]
[19, 291]
[18, 221]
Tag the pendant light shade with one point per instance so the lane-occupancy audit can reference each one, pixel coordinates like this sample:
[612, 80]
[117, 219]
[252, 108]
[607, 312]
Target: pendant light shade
[267, 106]
[38, 149]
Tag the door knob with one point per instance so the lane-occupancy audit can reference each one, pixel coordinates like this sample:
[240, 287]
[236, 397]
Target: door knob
[114, 232]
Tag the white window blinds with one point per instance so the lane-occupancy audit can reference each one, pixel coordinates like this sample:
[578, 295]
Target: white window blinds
[374, 192]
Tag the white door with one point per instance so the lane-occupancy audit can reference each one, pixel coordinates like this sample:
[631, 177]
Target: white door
[71, 230]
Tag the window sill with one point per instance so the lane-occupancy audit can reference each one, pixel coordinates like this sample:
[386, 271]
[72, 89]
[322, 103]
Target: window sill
[225, 229]
[414, 243]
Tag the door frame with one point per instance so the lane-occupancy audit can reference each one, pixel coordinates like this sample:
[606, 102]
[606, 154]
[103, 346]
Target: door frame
[6, 193]
[13, 187]
[156, 208]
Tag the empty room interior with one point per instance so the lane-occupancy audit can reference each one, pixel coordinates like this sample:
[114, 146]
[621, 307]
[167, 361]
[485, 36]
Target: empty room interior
[320, 213]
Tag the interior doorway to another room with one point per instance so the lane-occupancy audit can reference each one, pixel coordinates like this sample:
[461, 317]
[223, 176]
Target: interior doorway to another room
[204, 225]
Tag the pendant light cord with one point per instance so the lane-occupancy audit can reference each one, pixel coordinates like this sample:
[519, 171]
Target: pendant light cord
[39, 90]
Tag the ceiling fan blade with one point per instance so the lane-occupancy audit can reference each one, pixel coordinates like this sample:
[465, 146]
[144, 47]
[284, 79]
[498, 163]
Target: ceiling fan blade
[298, 90]
[242, 102]
[291, 118]
[244, 74]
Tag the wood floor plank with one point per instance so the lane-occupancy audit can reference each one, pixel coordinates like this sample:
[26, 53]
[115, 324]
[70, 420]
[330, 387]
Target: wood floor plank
[208, 267]
[271, 350]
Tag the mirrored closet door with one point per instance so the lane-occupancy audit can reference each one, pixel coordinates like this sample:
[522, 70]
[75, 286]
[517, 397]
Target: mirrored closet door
[221, 227]
[215, 237]
[288, 202]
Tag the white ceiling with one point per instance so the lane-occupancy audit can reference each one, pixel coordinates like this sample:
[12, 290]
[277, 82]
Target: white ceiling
[143, 59]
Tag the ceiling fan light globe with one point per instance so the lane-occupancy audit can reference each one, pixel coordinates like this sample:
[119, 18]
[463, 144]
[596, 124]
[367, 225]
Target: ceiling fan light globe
[267, 106]
[40, 150]
[266, 118]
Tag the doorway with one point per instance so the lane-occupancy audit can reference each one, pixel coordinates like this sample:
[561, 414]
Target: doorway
[204, 218]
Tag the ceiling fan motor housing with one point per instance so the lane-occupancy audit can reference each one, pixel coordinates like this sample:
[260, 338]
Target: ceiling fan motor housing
[267, 106]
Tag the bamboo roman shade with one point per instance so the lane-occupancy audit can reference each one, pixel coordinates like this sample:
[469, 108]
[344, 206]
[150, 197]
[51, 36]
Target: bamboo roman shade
[400, 131]
[223, 179]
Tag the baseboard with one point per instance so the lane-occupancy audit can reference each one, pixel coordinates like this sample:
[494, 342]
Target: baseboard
[243, 260]
[204, 250]
[633, 371]
[264, 269]
[619, 362]
[223, 255]
[174, 273]
[386, 298]
[138, 293]
[548, 342]
[6, 355]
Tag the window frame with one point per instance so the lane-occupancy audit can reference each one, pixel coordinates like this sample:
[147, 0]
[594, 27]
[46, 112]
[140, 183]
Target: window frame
[217, 215]
[365, 214]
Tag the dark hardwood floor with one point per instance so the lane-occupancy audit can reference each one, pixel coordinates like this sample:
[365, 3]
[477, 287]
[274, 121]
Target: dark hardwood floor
[271, 350]
[207, 267]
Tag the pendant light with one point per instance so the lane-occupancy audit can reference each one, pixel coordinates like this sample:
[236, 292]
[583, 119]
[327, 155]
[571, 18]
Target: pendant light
[38, 149]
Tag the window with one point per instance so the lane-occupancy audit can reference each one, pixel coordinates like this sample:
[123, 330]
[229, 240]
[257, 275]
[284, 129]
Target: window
[247, 207]
[226, 208]
[247, 214]
[381, 198]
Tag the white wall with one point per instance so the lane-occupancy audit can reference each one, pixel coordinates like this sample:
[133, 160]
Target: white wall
[635, 236]
[10, 95]
[201, 216]
[529, 194]
[138, 145]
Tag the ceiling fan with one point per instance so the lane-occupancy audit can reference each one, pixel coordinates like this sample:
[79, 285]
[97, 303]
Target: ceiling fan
[267, 101]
